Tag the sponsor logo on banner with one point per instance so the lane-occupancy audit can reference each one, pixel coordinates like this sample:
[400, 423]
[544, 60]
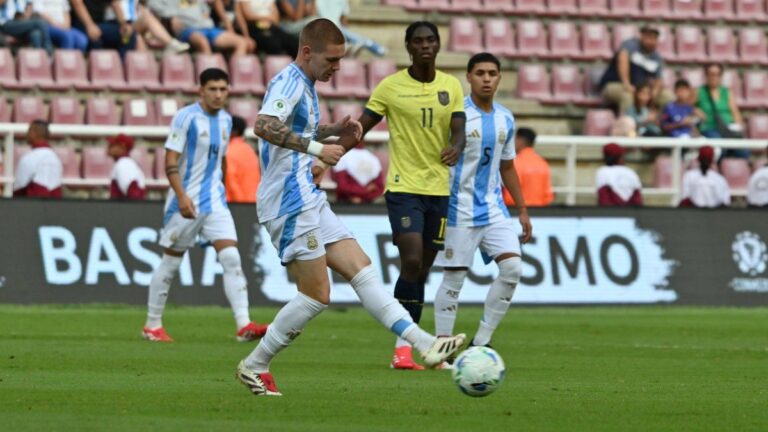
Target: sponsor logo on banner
[751, 257]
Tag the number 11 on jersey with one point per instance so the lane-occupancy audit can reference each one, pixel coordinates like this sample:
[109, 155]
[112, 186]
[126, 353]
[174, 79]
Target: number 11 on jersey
[426, 117]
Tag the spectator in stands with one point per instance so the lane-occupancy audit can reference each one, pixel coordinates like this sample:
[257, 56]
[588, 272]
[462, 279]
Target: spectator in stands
[16, 20]
[359, 176]
[645, 118]
[198, 30]
[703, 187]
[722, 116]
[338, 11]
[617, 185]
[90, 18]
[242, 172]
[757, 188]
[39, 172]
[127, 177]
[533, 170]
[636, 63]
[145, 22]
[56, 14]
[260, 19]
[679, 118]
[295, 14]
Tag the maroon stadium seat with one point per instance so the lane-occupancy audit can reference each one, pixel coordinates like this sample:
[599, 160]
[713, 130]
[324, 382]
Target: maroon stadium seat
[695, 77]
[248, 109]
[206, 61]
[625, 8]
[143, 159]
[533, 82]
[662, 172]
[718, 9]
[591, 81]
[142, 70]
[758, 126]
[139, 112]
[668, 77]
[66, 110]
[177, 74]
[28, 108]
[593, 8]
[246, 75]
[97, 165]
[531, 40]
[752, 46]
[755, 89]
[563, 40]
[106, 70]
[562, 7]
[657, 8]
[567, 84]
[465, 6]
[721, 46]
[595, 42]
[428, 5]
[598, 122]
[732, 80]
[736, 172]
[623, 32]
[690, 44]
[159, 163]
[465, 35]
[498, 6]
[498, 37]
[350, 79]
[686, 9]
[7, 69]
[101, 111]
[34, 69]
[5, 112]
[750, 10]
[69, 69]
[166, 108]
[526, 7]
[275, 64]
[378, 69]
[70, 166]
[325, 88]
[666, 46]
[340, 110]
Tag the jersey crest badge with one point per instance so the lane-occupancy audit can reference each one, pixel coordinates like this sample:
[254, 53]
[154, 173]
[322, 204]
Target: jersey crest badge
[311, 241]
[444, 98]
[449, 253]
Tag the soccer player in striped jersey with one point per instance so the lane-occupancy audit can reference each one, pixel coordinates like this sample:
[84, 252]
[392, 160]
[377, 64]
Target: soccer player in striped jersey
[308, 236]
[477, 216]
[196, 206]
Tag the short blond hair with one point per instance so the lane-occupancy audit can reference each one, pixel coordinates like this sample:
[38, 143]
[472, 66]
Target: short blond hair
[320, 33]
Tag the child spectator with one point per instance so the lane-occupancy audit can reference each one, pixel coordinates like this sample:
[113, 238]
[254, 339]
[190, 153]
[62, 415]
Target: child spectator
[127, 177]
[645, 118]
[679, 117]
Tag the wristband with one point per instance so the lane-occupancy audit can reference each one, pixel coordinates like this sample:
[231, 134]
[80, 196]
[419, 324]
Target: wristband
[315, 148]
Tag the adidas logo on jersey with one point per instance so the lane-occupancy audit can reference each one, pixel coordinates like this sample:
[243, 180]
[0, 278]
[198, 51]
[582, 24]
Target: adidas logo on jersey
[475, 134]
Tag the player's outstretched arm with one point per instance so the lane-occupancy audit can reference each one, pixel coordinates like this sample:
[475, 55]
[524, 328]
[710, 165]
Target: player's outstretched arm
[367, 121]
[272, 130]
[512, 182]
[343, 127]
[450, 155]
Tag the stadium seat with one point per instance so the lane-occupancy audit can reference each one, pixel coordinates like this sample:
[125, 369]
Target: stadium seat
[623, 32]
[340, 110]
[593, 8]
[695, 76]
[206, 61]
[625, 8]
[378, 69]
[275, 64]
[666, 45]
[159, 163]
[732, 80]
[658, 9]
[498, 6]
[28, 108]
[719, 9]
[106, 70]
[246, 74]
[525, 7]
[143, 159]
[101, 111]
[567, 84]
[97, 165]
[668, 77]
[139, 112]
[563, 40]
[753, 48]
[70, 166]
[498, 37]
[248, 109]
[533, 82]
[5, 113]
[595, 42]
[686, 10]
[7, 70]
[142, 70]
[736, 172]
[758, 126]
[662, 172]
[428, 5]
[591, 80]
[34, 69]
[690, 44]
[721, 46]
[166, 108]
[755, 89]
[350, 79]
[562, 7]
[750, 10]
[531, 40]
[69, 69]
[465, 35]
[598, 122]
[465, 6]
[177, 74]
[66, 110]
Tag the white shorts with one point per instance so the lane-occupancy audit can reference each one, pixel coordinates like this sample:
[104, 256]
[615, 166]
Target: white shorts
[181, 234]
[303, 236]
[462, 242]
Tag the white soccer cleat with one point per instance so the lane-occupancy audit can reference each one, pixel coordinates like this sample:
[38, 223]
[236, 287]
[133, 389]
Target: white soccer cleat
[442, 349]
[260, 384]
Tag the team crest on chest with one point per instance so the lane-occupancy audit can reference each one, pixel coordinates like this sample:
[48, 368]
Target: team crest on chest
[311, 241]
[444, 98]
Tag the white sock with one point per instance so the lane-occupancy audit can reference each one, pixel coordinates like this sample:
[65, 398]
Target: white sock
[388, 311]
[235, 285]
[287, 326]
[158, 289]
[447, 301]
[498, 299]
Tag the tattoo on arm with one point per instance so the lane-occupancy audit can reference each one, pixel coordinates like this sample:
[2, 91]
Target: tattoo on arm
[324, 131]
[276, 132]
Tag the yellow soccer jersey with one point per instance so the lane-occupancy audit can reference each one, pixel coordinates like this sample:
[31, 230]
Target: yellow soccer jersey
[419, 119]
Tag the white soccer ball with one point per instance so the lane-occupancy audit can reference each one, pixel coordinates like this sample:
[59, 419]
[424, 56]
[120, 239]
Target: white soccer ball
[478, 371]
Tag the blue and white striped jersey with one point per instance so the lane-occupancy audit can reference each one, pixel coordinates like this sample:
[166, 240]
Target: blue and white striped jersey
[286, 186]
[476, 198]
[202, 140]
[130, 11]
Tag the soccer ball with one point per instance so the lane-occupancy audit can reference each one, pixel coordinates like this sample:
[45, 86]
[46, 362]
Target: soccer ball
[478, 371]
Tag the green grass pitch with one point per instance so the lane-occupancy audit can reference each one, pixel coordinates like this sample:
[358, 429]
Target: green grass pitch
[593, 369]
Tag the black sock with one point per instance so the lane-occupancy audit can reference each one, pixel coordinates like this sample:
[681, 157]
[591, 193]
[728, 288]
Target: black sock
[407, 293]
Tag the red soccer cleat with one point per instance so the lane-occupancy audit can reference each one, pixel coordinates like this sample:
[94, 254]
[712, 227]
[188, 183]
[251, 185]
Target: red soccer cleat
[403, 359]
[156, 335]
[251, 332]
[260, 384]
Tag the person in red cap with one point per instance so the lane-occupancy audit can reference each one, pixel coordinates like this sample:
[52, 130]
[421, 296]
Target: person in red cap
[39, 171]
[704, 187]
[617, 185]
[127, 177]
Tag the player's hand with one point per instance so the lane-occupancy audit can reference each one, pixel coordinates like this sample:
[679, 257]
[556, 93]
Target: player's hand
[317, 174]
[525, 222]
[449, 156]
[331, 154]
[187, 207]
[349, 127]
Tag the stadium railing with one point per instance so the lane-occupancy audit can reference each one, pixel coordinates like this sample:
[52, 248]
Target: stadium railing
[571, 144]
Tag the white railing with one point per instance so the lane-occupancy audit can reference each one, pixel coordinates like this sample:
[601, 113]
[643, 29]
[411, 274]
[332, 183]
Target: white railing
[571, 143]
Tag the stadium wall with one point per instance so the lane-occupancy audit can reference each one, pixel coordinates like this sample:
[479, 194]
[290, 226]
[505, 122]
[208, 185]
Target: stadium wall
[104, 252]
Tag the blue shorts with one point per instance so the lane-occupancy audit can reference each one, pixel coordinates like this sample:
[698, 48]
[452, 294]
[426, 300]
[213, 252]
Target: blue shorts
[210, 33]
[425, 214]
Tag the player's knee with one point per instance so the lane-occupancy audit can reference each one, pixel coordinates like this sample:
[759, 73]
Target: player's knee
[411, 264]
[229, 258]
[511, 269]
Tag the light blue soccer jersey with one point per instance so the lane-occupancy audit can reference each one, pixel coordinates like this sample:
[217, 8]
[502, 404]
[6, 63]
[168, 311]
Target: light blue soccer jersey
[286, 186]
[476, 198]
[202, 140]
